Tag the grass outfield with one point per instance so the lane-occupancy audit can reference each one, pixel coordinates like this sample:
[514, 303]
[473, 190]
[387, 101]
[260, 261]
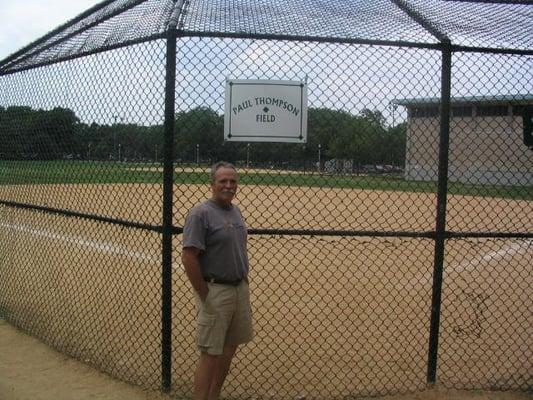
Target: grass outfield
[94, 172]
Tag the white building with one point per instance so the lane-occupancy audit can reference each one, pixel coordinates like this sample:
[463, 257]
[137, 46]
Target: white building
[487, 140]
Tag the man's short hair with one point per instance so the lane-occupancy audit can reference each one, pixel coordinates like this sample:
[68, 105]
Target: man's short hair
[220, 164]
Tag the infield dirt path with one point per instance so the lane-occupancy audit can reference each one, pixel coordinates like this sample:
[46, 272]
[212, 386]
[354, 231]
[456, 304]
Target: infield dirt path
[351, 313]
[30, 370]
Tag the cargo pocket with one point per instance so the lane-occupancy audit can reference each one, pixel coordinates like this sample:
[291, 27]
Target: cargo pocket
[206, 324]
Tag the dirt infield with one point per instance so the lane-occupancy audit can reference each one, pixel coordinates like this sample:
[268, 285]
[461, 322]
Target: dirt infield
[30, 370]
[335, 316]
[289, 207]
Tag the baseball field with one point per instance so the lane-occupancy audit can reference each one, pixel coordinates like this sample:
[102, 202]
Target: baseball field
[335, 316]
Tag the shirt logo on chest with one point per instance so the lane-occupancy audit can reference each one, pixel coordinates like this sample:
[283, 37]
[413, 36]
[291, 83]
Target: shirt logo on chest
[228, 225]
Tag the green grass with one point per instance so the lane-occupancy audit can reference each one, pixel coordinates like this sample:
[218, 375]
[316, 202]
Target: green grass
[75, 172]
[92, 172]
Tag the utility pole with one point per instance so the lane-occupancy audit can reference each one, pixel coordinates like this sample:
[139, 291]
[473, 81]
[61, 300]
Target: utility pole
[197, 154]
[319, 157]
[115, 117]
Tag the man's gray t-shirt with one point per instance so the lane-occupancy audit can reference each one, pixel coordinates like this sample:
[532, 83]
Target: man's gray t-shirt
[220, 234]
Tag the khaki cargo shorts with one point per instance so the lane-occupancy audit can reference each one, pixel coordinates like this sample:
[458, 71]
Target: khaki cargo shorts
[224, 318]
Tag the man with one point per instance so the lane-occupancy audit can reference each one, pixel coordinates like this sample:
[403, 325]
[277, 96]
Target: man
[216, 263]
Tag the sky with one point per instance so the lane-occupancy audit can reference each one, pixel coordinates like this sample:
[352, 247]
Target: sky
[23, 21]
[341, 77]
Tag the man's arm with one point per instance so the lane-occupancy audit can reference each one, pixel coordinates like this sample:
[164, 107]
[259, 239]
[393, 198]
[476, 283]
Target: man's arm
[190, 259]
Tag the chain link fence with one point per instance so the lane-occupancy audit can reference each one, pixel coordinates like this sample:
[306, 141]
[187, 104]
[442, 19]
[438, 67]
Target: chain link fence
[81, 250]
[390, 250]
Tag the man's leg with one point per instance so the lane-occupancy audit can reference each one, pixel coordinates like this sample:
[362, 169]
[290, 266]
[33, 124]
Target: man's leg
[204, 375]
[211, 373]
[223, 364]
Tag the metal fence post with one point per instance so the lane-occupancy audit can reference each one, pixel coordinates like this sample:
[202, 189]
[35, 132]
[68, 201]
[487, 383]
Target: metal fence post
[440, 226]
[168, 181]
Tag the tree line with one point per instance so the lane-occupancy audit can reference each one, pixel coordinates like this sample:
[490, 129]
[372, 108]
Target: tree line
[365, 138]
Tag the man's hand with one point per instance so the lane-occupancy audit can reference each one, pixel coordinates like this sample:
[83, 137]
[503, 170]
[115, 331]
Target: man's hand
[191, 262]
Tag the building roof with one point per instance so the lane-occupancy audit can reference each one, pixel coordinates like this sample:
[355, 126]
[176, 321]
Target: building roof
[497, 99]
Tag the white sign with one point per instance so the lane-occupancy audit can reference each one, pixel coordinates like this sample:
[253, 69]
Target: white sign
[265, 111]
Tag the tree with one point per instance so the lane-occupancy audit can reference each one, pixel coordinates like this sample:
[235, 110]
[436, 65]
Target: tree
[44, 134]
[197, 127]
[375, 117]
[362, 138]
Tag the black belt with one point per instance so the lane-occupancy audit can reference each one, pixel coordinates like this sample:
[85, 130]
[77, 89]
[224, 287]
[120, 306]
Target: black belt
[235, 282]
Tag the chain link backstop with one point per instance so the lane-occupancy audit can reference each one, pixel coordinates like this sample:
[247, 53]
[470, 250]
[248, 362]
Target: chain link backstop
[393, 249]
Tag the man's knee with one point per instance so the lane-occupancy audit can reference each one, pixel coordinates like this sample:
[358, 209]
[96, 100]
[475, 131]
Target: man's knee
[209, 360]
[229, 350]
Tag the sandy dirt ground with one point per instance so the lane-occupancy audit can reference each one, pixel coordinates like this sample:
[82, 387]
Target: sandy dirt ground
[31, 370]
[335, 317]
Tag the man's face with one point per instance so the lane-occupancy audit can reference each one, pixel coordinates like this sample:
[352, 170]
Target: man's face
[224, 186]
